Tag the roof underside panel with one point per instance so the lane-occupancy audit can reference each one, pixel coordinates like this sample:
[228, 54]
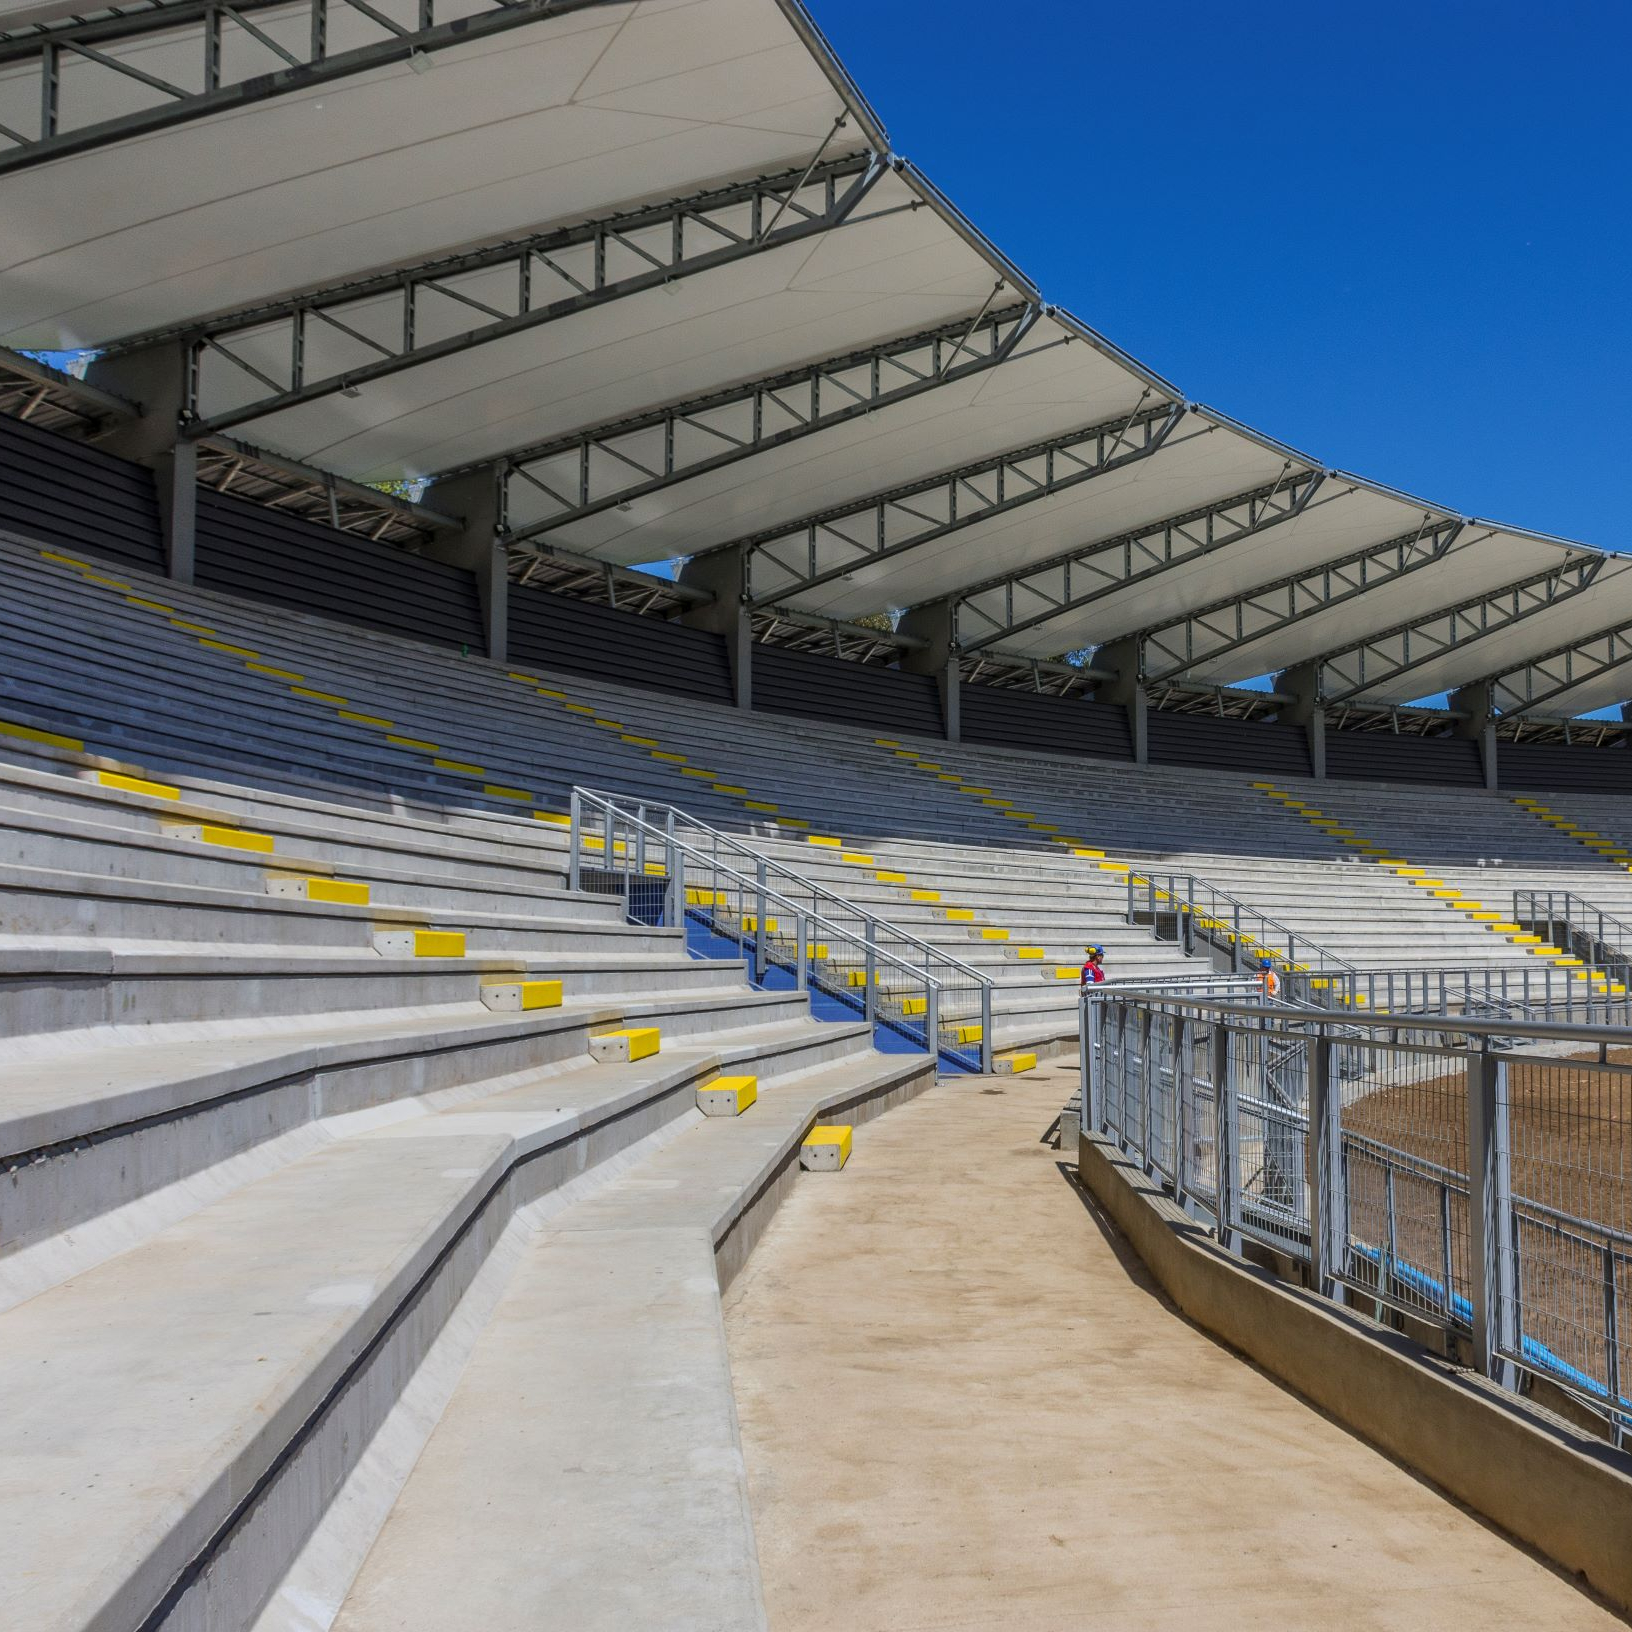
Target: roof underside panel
[569, 117]
[891, 270]
[1200, 462]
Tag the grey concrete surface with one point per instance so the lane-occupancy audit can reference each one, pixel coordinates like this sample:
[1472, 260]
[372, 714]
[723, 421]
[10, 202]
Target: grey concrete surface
[964, 1405]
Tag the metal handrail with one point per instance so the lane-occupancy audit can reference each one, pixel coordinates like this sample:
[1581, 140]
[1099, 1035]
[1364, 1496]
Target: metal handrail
[1201, 906]
[1589, 931]
[654, 829]
[1432, 989]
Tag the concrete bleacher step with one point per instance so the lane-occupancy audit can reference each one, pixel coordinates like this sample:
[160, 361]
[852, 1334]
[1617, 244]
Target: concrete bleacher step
[208, 1422]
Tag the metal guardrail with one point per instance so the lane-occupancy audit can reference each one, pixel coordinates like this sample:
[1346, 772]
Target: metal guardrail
[1582, 929]
[672, 869]
[1528, 992]
[1205, 917]
[1473, 1174]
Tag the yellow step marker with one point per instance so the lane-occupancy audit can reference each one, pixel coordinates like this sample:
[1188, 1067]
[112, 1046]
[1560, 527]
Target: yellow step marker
[668, 758]
[969, 1033]
[340, 892]
[364, 719]
[550, 691]
[656, 869]
[926, 895]
[947, 776]
[791, 821]
[610, 725]
[825, 1149]
[1030, 954]
[1065, 971]
[137, 784]
[51, 739]
[1009, 1065]
[1486, 917]
[423, 943]
[414, 742]
[555, 818]
[759, 804]
[891, 878]
[928, 765]
[885, 742]
[697, 773]
[227, 838]
[496, 790]
[149, 606]
[460, 766]
[65, 560]
[277, 674]
[970, 787]
[1113, 866]
[727, 1095]
[913, 1007]
[825, 842]
[622, 1047]
[989, 934]
[1504, 928]
[750, 925]
[730, 788]
[858, 977]
[578, 708]
[959, 915]
[191, 628]
[318, 696]
[1088, 855]
[506, 996]
[855, 858]
[998, 804]
[1445, 895]
[525, 679]
[222, 646]
[705, 898]
[641, 742]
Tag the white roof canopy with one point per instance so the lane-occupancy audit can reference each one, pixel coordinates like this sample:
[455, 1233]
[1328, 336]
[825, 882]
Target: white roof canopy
[654, 264]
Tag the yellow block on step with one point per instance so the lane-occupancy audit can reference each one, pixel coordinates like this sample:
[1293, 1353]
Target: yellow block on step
[1008, 1065]
[1065, 971]
[1088, 855]
[1030, 954]
[925, 895]
[550, 691]
[495, 790]
[439, 943]
[414, 742]
[267, 668]
[222, 646]
[576, 708]
[363, 719]
[886, 742]
[506, 996]
[750, 925]
[994, 934]
[825, 1149]
[824, 841]
[151, 606]
[620, 1047]
[858, 977]
[1486, 917]
[727, 1096]
[51, 739]
[137, 784]
[610, 725]
[1113, 866]
[967, 1033]
[913, 1007]
[730, 788]
[555, 818]
[460, 766]
[759, 804]
[998, 804]
[668, 758]
[704, 898]
[343, 892]
[960, 915]
[855, 858]
[317, 696]
[525, 679]
[1504, 928]
[697, 773]
[231, 838]
[891, 878]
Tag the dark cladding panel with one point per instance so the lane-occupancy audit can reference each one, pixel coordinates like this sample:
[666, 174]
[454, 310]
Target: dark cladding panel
[1381, 756]
[75, 497]
[247, 549]
[827, 688]
[1264, 746]
[557, 632]
[1032, 721]
[1529, 767]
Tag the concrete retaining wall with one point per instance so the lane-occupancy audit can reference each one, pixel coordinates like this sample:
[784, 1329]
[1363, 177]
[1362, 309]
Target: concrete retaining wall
[1566, 1495]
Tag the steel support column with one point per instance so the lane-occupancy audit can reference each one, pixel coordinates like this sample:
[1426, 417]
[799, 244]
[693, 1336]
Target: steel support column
[724, 577]
[478, 549]
[1121, 658]
[1300, 684]
[938, 656]
[1476, 704]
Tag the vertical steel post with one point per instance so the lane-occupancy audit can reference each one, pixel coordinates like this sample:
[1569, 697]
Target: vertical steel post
[801, 958]
[1088, 1066]
[1226, 1139]
[986, 1027]
[1328, 1209]
[932, 1022]
[759, 922]
[574, 840]
[870, 967]
[1147, 1078]
[1490, 1218]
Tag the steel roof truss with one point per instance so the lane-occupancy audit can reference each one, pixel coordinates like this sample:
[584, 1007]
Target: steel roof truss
[1530, 687]
[1004, 607]
[1384, 658]
[835, 543]
[611, 465]
[340, 339]
[1210, 632]
[230, 53]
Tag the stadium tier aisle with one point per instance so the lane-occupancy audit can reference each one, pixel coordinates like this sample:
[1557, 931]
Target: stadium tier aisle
[1056, 1449]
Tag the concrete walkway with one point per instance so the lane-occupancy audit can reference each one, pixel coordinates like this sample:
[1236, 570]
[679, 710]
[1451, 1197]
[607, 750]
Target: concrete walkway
[964, 1405]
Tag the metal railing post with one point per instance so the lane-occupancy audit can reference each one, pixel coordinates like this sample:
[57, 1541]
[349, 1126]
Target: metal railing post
[759, 923]
[986, 1028]
[1147, 1081]
[932, 1022]
[801, 958]
[1089, 1078]
[870, 998]
[575, 840]
[1328, 1207]
[1226, 1139]
[1490, 1219]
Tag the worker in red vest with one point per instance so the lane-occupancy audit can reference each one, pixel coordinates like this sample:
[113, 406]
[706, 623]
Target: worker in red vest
[1093, 967]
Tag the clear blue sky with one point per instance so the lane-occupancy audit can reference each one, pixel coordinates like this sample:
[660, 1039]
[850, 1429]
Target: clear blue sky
[1396, 236]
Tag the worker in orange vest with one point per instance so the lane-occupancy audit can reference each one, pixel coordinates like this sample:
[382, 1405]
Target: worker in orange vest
[1268, 979]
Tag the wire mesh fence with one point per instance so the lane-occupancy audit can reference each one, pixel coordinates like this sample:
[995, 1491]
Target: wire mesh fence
[732, 901]
[1437, 1166]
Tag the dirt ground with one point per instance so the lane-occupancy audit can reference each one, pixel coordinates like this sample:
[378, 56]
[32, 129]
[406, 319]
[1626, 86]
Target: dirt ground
[964, 1405]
